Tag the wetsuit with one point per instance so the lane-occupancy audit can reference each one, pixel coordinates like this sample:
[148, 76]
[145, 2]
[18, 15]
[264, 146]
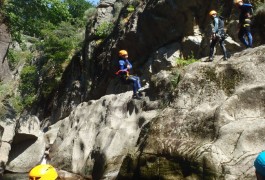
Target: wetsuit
[245, 23]
[126, 77]
[219, 36]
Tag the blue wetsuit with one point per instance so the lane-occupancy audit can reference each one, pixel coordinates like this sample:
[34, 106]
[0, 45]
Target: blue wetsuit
[245, 22]
[218, 30]
[124, 74]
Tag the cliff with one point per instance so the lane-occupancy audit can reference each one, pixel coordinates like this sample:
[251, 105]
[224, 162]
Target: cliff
[201, 121]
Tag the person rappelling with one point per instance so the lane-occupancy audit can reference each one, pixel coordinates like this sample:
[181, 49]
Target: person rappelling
[124, 73]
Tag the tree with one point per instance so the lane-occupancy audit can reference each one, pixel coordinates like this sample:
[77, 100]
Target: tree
[30, 16]
[78, 7]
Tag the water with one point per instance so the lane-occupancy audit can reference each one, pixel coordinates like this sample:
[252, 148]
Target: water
[14, 177]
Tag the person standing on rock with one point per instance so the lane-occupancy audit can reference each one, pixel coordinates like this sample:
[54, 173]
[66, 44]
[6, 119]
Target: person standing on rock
[218, 35]
[124, 73]
[246, 12]
[259, 165]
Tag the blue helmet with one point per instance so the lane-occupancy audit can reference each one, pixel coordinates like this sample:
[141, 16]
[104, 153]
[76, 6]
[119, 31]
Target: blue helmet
[259, 163]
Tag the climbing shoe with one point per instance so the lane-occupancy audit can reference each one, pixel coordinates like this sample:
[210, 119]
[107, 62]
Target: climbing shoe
[146, 86]
[139, 93]
[210, 59]
[136, 96]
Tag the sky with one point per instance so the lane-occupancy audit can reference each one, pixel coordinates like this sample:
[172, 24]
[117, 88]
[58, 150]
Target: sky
[94, 2]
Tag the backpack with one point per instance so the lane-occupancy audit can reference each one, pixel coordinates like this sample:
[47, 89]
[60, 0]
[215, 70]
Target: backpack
[221, 22]
[220, 25]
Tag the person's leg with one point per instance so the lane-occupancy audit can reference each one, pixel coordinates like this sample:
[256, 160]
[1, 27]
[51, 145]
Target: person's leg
[249, 36]
[134, 82]
[259, 177]
[241, 34]
[222, 44]
[212, 45]
[138, 82]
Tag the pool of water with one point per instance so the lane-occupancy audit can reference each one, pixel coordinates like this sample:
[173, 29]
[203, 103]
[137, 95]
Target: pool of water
[14, 177]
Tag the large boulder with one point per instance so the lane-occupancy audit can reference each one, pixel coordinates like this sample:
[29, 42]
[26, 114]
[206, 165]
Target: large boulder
[98, 134]
[28, 145]
[8, 134]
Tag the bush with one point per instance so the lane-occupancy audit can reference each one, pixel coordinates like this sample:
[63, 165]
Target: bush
[59, 42]
[28, 85]
[130, 8]
[104, 29]
[5, 89]
[175, 78]
[90, 14]
[184, 62]
[14, 57]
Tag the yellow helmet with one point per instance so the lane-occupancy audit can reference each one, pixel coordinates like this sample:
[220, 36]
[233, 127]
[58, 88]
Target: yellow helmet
[123, 53]
[238, 1]
[43, 172]
[212, 12]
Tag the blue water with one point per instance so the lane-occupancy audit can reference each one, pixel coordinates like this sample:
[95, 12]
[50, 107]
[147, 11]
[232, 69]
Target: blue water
[14, 177]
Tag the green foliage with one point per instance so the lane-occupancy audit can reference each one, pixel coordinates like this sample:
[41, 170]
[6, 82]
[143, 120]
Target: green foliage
[5, 89]
[55, 28]
[130, 8]
[15, 56]
[104, 29]
[89, 14]
[29, 17]
[16, 102]
[7, 95]
[58, 46]
[78, 7]
[28, 86]
[49, 84]
[184, 62]
[59, 42]
[175, 78]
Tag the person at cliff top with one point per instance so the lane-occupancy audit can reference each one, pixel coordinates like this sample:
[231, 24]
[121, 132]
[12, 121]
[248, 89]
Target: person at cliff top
[246, 12]
[124, 73]
[218, 34]
[259, 165]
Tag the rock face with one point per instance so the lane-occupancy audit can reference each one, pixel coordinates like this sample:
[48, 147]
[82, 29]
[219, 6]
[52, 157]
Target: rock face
[214, 127]
[97, 135]
[7, 137]
[1, 132]
[259, 25]
[22, 145]
[150, 26]
[5, 41]
[144, 28]
[209, 126]
[204, 122]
